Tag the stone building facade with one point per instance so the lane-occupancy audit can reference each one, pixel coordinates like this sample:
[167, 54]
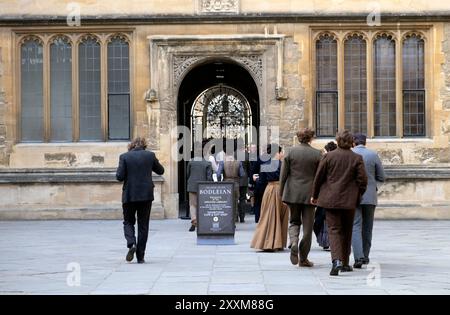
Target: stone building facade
[382, 67]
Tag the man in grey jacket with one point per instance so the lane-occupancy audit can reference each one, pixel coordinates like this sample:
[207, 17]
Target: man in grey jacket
[296, 180]
[198, 170]
[365, 212]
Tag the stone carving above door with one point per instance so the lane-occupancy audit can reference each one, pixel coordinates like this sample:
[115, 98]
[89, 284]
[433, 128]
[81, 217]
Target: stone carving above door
[180, 65]
[253, 63]
[218, 6]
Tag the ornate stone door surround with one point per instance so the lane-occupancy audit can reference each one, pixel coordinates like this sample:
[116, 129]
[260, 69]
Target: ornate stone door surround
[173, 56]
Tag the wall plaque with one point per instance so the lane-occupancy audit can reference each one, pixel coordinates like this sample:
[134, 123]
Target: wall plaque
[218, 6]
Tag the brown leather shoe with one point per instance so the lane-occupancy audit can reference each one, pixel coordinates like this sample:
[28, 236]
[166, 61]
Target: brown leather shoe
[306, 263]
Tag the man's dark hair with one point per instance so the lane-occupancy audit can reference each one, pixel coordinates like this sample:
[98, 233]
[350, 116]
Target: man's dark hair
[359, 139]
[330, 146]
[305, 135]
[344, 140]
[277, 149]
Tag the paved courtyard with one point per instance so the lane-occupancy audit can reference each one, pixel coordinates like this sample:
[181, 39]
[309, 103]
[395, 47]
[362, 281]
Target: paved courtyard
[44, 257]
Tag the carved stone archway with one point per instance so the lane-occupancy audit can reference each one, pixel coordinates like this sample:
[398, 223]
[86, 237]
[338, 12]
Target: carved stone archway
[172, 57]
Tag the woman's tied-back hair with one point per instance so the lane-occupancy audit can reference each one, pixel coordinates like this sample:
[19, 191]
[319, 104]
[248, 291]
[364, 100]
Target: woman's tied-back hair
[138, 142]
[344, 139]
[305, 135]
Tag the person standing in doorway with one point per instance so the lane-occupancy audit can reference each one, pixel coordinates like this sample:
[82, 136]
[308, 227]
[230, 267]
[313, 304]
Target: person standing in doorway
[231, 170]
[198, 170]
[212, 155]
[254, 169]
[297, 175]
[135, 171]
[243, 157]
[364, 215]
[260, 185]
[338, 186]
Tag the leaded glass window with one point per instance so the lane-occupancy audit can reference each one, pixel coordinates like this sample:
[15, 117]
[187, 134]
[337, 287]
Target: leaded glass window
[326, 86]
[355, 82]
[384, 86]
[32, 99]
[118, 90]
[61, 89]
[413, 86]
[90, 90]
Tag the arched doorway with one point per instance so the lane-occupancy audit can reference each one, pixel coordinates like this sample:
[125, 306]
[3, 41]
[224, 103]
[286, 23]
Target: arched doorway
[220, 96]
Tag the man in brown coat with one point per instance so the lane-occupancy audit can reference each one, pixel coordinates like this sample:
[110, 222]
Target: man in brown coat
[340, 182]
[297, 175]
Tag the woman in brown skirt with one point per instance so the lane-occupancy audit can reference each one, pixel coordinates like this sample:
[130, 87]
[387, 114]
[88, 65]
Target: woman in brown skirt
[271, 231]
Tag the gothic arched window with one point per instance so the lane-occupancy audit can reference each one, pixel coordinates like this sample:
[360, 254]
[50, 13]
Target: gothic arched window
[355, 82]
[413, 86]
[326, 86]
[32, 97]
[61, 89]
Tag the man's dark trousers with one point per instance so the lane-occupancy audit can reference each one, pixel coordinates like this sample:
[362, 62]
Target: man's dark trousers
[301, 214]
[340, 227]
[142, 209]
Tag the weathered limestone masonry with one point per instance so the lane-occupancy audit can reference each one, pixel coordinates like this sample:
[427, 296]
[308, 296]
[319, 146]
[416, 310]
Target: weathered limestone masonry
[445, 91]
[274, 41]
[3, 155]
[5, 145]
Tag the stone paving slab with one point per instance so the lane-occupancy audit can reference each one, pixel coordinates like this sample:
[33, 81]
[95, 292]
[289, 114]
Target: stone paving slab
[38, 257]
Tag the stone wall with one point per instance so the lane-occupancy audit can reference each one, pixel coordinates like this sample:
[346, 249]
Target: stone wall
[414, 199]
[67, 155]
[444, 121]
[192, 7]
[292, 109]
[289, 107]
[66, 194]
[3, 151]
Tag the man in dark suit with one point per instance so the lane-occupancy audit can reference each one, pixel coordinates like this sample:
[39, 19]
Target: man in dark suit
[297, 176]
[198, 170]
[339, 183]
[254, 170]
[243, 156]
[135, 171]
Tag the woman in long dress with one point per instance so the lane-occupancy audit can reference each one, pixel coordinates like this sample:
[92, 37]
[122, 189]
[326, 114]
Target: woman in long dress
[271, 231]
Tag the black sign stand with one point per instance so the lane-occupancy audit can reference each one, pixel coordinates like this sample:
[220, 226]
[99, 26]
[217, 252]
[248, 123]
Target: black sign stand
[215, 213]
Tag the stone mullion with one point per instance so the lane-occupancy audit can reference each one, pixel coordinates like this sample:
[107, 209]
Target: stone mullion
[75, 93]
[341, 84]
[18, 90]
[370, 88]
[429, 61]
[399, 85]
[132, 71]
[46, 92]
[104, 88]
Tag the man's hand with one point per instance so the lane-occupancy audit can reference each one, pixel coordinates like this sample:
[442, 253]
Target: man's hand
[313, 201]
